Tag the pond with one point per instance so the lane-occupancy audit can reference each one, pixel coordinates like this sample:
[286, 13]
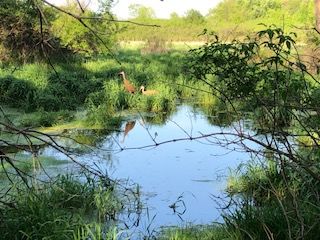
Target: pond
[179, 180]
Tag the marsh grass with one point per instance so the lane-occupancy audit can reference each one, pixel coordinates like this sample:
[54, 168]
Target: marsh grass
[197, 232]
[36, 86]
[96, 231]
[161, 72]
[57, 210]
[271, 205]
[113, 99]
[93, 83]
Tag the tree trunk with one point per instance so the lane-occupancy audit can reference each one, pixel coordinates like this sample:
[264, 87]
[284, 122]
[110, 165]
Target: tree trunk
[317, 14]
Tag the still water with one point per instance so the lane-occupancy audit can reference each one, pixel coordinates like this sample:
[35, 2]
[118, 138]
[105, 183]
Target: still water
[179, 180]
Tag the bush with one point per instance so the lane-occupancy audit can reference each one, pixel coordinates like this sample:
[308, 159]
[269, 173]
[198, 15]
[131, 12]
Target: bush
[17, 93]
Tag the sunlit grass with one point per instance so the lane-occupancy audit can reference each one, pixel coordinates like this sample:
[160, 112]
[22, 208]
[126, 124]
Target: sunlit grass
[61, 127]
[205, 232]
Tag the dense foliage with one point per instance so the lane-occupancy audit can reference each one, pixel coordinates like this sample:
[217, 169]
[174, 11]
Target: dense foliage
[21, 35]
[31, 31]
[91, 39]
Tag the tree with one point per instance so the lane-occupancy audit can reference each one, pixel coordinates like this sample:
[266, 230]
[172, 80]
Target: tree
[194, 16]
[228, 10]
[174, 16]
[138, 11]
[74, 35]
[24, 36]
[38, 30]
[317, 14]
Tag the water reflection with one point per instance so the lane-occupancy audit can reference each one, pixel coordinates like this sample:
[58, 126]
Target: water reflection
[218, 114]
[129, 126]
[90, 137]
[35, 149]
[157, 119]
[177, 180]
[84, 140]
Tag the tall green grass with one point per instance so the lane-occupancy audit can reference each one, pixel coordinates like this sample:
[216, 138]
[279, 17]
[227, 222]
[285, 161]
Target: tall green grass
[193, 232]
[59, 210]
[93, 83]
[270, 202]
[162, 72]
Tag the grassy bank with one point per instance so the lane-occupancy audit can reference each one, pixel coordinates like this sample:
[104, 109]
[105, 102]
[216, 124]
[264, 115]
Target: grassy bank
[46, 98]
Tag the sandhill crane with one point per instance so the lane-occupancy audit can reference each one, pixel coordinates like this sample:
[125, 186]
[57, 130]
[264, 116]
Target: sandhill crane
[148, 92]
[127, 85]
[129, 126]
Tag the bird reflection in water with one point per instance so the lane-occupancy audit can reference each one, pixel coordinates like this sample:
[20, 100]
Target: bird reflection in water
[129, 126]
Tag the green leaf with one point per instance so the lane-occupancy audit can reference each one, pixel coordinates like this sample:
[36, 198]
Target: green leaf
[288, 44]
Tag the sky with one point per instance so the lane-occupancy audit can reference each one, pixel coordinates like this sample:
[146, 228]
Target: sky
[163, 9]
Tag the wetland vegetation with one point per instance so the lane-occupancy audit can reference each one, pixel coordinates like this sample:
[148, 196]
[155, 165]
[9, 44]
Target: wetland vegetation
[64, 107]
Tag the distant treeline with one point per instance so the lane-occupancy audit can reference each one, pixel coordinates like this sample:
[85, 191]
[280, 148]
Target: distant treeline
[231, 18]
[31, 31]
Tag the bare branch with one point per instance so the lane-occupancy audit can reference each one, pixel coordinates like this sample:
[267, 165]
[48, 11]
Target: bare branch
[122, 21]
